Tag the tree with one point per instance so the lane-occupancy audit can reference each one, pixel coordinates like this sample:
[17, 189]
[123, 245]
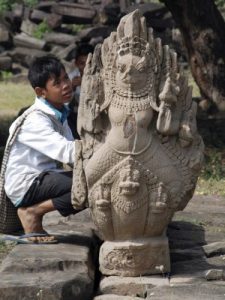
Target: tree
[203, 31]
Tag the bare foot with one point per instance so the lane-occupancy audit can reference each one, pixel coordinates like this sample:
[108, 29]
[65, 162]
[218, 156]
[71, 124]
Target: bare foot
[30, 220]
[32, 223]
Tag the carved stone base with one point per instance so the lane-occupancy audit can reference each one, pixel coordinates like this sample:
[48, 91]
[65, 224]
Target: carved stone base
[135, 257]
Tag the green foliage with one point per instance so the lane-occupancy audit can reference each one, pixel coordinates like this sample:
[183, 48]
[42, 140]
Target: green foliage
[214, 165]
[4, 75]
[5, 5]
[76, 28]
[212, 177]
[41, 29]
[220, 3]
[30, 3]
[210, 187]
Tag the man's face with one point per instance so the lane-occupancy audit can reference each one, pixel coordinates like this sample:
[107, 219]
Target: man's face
[58, 91]
[81, 62]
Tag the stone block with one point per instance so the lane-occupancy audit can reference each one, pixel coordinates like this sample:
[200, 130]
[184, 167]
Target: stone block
[24, 40]
[75, 13]
[5, 63]
[212, 249]
[5, 37]
[203, 291]
[93, 32]
[59, 38]
[115, 297]
[67, 285]
[24, 56]
[130, 286]
[28, 27]
[215, 274]
[135, 257]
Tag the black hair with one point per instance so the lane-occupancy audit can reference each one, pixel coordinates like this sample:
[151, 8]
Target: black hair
[42, 68]
[84, 49]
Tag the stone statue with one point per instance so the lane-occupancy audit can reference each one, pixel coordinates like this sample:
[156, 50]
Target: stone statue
[140, 153]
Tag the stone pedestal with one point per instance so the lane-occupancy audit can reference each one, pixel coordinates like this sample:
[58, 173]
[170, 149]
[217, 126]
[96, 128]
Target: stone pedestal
[135, 257]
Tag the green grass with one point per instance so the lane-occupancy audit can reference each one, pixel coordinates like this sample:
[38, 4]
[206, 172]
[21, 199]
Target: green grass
[212, 177]
[13, 97]
[210, 187]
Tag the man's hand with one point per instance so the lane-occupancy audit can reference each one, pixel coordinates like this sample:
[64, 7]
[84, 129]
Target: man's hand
[76, 81]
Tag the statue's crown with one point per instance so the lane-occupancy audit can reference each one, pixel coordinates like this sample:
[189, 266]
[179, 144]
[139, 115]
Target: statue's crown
[135, 45]
[132, 35]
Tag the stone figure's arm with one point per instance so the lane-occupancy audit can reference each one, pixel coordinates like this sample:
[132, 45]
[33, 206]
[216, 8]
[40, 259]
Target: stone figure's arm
[168, 100]
[79, 187]
[89, 122]
[91, 96]
[166, 89]
[175, 109]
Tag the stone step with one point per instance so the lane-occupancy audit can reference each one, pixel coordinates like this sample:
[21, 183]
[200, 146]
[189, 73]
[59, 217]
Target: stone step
[68, 285]
[199, 291]
[60, 271]
[131, 286]
[42, 258]
[115, 297]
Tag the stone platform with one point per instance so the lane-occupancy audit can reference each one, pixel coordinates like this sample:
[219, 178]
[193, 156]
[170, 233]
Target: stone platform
[68, 270]
[59, 271]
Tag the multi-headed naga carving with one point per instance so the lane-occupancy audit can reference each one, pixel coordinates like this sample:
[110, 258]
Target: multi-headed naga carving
[140, 153]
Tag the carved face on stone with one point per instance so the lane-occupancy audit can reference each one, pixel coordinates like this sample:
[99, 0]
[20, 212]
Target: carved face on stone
[131, 72]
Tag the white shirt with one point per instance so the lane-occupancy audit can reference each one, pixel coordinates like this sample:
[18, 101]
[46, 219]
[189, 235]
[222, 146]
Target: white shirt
[42, 141]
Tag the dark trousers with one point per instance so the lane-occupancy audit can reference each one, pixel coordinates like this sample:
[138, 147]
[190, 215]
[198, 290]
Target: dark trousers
[72, 122]
[51, 185]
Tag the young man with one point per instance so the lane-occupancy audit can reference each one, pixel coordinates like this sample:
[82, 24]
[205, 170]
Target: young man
[33, 181]
[79, 62]
[76, 76]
